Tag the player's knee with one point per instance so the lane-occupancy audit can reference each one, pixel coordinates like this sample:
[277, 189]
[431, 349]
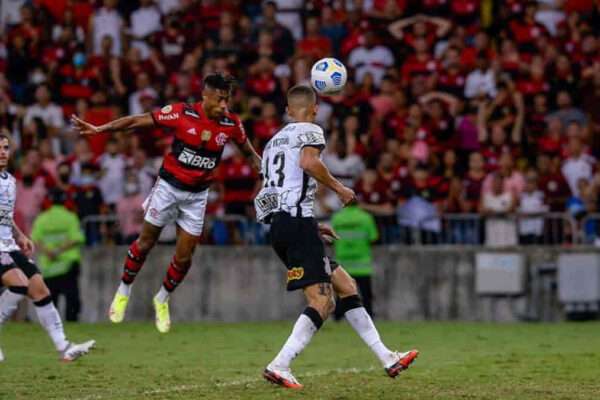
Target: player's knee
[323, 304]
[38, 289]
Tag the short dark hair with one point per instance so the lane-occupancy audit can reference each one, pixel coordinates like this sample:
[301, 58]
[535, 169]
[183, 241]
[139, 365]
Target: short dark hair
[219, 81]
[301, 91]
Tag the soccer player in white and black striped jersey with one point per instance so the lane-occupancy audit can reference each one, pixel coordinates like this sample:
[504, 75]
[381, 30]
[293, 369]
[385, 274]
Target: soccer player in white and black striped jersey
[291, 168]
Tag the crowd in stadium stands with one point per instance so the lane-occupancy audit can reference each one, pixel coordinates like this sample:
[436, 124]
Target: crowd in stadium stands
[452, 106]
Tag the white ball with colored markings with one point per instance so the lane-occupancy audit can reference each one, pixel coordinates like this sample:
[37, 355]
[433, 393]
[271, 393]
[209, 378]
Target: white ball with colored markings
[328, 76]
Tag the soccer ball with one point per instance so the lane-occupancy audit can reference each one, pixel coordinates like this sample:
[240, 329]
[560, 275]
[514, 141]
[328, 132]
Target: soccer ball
[328, 76]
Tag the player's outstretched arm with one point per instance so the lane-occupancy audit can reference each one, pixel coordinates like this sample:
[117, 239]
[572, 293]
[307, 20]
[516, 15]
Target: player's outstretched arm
[139, 121]
[312, 164]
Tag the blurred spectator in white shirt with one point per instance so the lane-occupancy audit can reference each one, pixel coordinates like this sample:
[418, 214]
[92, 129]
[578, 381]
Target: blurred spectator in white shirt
[146, 175]
[144, 22]
[344, 166]
[370, 59]
[44, 109]
[112, 164]
[532, 201]
[500, 228]
[579, 165]
[481, 81]
[106, 21]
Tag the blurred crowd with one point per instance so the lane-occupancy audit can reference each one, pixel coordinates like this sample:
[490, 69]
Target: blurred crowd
[451, 106]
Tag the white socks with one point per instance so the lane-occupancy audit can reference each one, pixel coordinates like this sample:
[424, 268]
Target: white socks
[363, 325]
[303, 331]
[124, 289]
[50, 320]
[163, 295]
[9, 301]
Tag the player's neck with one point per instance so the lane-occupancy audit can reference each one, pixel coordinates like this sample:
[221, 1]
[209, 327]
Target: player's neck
[296, 118]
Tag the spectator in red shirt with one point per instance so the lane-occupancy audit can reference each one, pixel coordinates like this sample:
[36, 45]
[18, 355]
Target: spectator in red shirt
[473, 182]
[314, 44]
[266, 126]
[423, 26]
[553, 140]
[526, 29]
[552, 182]
[373, 194]
[498, 142]
[238, 180]
[451, 76]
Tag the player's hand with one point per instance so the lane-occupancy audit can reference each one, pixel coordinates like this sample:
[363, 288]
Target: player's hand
[346, 195]
[26, 245]
[327, 233]
[84, 128]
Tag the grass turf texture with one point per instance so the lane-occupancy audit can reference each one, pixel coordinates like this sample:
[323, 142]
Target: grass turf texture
[224, 361]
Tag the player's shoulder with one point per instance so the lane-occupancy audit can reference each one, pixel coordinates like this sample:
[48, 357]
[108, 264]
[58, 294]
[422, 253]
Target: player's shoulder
[304, 127]
[307, 134]
[230, 119]
[6, 177]
[171, 108]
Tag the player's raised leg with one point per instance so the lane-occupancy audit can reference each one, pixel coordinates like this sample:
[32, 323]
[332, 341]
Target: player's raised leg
[134, 261]
[178, 269]
[352, 308]
[320, 304]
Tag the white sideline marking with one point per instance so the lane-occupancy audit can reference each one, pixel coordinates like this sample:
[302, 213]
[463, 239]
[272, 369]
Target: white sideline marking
[247, 381]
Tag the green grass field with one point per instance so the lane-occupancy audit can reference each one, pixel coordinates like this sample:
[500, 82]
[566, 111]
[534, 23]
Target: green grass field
[224, 361]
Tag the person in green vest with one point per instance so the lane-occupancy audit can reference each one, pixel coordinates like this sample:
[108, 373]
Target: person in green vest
[357, 231]
[57, 234]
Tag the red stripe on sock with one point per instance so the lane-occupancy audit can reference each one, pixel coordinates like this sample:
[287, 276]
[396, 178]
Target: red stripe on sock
[134, 261]
[175, 275]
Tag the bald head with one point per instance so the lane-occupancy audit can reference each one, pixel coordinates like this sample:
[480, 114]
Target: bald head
[302, 103]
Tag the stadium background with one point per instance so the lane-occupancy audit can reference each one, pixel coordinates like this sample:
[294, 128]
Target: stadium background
[442, 96]
[431, 83]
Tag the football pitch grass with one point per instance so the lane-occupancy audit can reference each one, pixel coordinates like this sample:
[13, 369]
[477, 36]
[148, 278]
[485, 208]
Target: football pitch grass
[225, 361]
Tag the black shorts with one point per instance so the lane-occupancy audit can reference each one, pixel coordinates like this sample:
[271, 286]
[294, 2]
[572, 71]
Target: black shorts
[16, 259]
[298, 244]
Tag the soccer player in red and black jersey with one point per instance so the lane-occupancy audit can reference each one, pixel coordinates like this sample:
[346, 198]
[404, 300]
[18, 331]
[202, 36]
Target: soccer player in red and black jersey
[180, 194]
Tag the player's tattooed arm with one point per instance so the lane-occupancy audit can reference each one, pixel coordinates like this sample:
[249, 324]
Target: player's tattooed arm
[248, 151]
[121, 124]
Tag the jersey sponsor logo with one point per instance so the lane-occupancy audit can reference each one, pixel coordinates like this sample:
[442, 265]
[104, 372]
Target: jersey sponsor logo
[227, 121]
[154, 213]
[168, 117]
[192, 131]
[191, 113]
[188, 157]
[221, 139]
[310, 138]
[166, 109]
[6, 259]
[295, 274]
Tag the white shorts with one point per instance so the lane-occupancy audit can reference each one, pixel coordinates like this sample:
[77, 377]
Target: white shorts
[167, 204]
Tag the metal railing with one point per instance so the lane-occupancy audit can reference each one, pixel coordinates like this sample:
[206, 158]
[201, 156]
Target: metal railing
[225, 229]
[446, 229]
[498, 230]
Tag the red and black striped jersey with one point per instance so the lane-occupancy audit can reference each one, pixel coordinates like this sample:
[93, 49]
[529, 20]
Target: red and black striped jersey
[197, 144]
